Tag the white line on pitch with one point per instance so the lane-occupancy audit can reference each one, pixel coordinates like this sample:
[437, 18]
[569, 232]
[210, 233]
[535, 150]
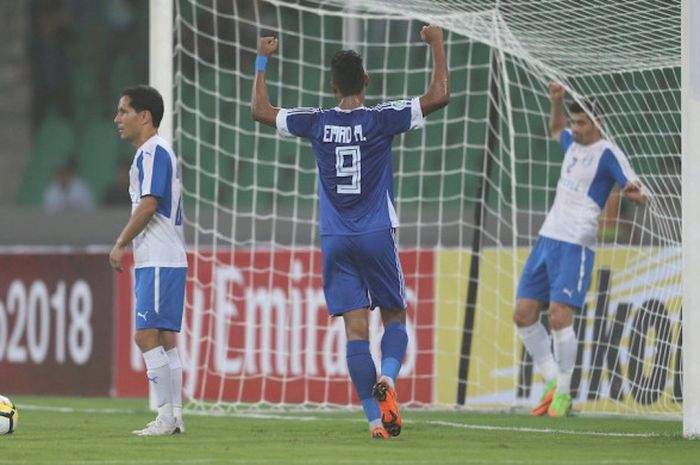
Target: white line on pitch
[273, 416]
[256, 415]
[537, 430]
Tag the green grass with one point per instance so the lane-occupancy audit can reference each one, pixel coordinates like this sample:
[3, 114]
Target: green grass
[98, 431]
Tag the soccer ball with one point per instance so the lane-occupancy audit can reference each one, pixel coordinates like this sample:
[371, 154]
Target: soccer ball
[8, 416]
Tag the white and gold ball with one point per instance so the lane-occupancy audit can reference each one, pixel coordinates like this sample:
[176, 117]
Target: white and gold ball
[8, 416]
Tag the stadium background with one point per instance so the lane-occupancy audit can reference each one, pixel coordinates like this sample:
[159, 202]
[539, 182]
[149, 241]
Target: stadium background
[69, 61]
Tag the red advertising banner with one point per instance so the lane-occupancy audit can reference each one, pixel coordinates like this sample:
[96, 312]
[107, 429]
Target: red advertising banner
[55, 324]
[256, 329]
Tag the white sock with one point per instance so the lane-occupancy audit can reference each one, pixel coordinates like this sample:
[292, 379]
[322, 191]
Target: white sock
[565, 352]
[158, 372]
[375, 424]
[175, 381]
[388, 381]
[536, 341]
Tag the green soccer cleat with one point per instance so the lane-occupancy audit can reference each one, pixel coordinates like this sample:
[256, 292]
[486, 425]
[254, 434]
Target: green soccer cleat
[560, 406]
[545, 399]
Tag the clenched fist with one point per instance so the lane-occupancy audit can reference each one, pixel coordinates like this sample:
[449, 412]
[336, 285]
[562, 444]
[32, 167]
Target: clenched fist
[267, 46]
[431, 34]
[556, 91]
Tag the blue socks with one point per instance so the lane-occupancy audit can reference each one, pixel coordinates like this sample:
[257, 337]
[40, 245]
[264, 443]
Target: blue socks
[361, 366]
[363, 375]
[394, 342]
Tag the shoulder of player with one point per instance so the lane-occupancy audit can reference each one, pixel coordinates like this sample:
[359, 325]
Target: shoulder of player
[396, 105]
[612, 149]
[156, 144]
[611, 156]
[303, 110]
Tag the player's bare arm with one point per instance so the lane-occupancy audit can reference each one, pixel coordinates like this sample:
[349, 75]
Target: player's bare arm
[438, 93]
[557, 115]
[635, 192]
[260, 106]
[138, 221]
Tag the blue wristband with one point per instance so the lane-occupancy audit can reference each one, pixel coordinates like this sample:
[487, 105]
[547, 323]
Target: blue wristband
[261, 63]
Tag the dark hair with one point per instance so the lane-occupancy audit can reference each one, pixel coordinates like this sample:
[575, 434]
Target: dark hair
[68, 166]
[587, 105]
[145, 97]
[347, 72]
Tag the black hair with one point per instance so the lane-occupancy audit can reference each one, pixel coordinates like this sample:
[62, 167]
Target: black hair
[68, 166]
[145, 97]
[587, 105]
[347, 72]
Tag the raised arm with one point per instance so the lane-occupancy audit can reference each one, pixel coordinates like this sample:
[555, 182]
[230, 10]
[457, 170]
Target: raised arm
[557, 116]
[260, 107]
[438, 93]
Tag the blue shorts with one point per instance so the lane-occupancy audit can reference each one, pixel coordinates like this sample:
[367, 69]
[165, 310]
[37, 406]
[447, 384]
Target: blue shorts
[557, 271]
[160, 297]
[362, 271]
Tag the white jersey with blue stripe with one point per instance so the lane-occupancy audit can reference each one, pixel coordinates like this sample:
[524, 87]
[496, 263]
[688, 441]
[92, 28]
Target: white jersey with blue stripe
[353, 155]
[588, 174]
[155, 171]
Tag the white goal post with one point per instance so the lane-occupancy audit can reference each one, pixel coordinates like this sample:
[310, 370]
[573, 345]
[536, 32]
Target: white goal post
[690, 39]
[472, 190]
[160, 59]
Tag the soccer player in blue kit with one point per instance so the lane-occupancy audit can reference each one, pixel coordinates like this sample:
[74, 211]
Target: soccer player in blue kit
[361, 267]
[558, 270]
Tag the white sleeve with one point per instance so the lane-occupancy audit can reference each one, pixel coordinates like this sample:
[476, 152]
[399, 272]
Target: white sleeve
[281, 122]
[625, 165]
[417, 118]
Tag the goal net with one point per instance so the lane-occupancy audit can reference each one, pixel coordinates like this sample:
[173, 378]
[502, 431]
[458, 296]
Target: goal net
[472, 189]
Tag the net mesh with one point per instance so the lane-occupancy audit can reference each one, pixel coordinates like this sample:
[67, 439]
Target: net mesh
[472, 189]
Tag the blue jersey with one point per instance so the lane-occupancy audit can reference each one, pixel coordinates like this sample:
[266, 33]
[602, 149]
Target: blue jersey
[353, 155]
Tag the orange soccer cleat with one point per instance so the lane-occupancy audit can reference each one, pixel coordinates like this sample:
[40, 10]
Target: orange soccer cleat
[546, 399]
[380, 433]
[386, 397]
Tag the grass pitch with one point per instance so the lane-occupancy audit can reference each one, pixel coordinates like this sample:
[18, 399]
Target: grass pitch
[97, 431]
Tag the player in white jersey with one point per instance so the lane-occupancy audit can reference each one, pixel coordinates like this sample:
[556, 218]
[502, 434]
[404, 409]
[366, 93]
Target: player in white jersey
[156, 231]
[361, 267]
[558, 270]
